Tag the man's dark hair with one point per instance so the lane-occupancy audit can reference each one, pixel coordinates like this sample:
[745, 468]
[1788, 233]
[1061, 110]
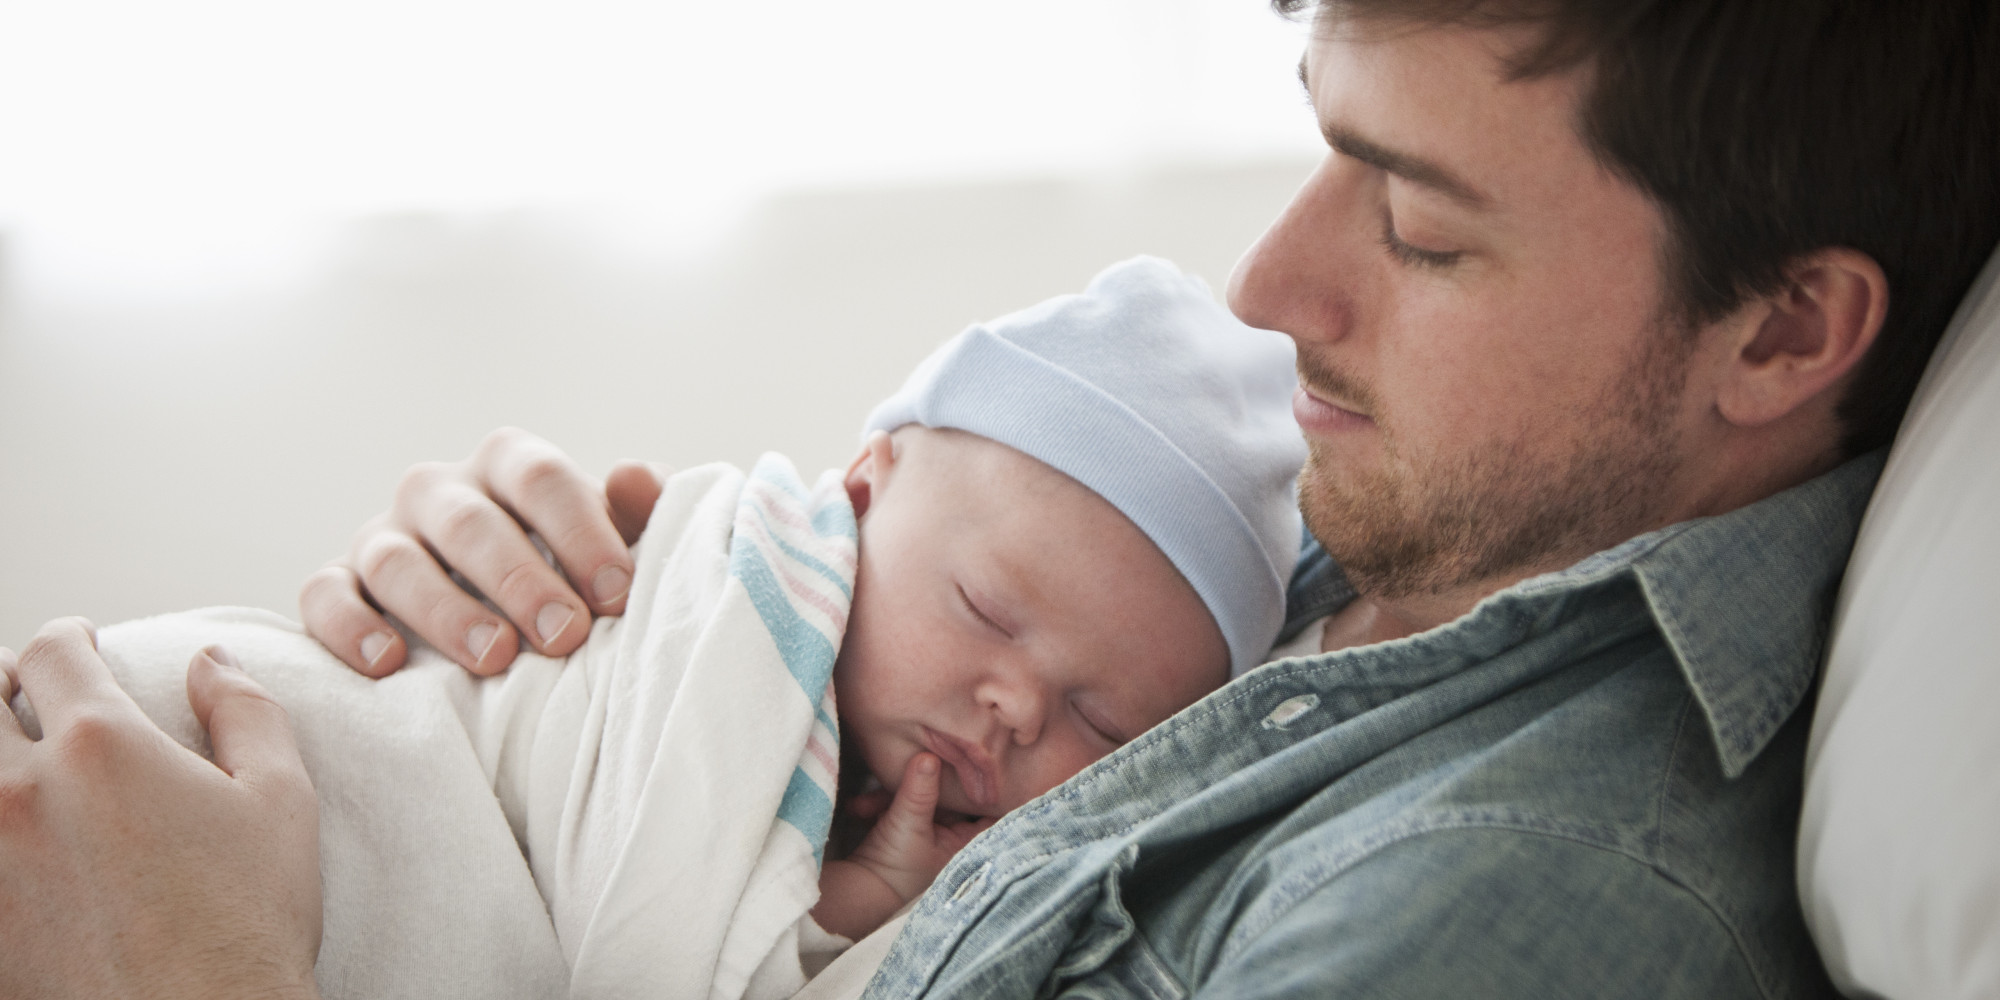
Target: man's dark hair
[1767, 129]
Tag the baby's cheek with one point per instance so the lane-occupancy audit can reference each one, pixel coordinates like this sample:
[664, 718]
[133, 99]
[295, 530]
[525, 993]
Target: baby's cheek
[1059, 767]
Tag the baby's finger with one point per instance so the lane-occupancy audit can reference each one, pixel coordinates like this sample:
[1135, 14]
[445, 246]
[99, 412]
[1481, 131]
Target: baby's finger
[916, 801]
[343, 621]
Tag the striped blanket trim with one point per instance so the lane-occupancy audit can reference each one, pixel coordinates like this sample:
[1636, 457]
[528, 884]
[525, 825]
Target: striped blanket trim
[794, 550]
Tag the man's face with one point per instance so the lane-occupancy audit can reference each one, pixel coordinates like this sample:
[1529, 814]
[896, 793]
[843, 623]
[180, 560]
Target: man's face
[1488, 388]
[1009, 620]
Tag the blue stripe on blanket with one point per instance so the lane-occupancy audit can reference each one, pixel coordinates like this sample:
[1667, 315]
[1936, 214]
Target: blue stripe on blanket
[835, 520]
[807, 808]
[808, 651]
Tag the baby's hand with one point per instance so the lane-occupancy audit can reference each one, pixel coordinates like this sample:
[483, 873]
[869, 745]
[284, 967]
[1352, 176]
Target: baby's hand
[908, 847]
[898, 859]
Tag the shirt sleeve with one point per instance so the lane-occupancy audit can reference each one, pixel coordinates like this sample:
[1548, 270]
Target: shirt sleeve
[1494, 913]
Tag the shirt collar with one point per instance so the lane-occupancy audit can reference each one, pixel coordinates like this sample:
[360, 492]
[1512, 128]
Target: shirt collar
[1743, 599]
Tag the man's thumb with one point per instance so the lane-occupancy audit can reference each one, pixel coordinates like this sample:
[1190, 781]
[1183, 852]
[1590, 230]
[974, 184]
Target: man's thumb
[630, 490]
[250, 732]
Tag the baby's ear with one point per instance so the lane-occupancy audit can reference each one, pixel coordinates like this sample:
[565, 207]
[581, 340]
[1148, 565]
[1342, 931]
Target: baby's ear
[869, 470]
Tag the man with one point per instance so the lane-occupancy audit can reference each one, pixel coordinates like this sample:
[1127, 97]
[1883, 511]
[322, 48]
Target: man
[1596, 306]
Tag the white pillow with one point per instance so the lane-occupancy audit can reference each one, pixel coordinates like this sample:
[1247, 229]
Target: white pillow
[1899, 845]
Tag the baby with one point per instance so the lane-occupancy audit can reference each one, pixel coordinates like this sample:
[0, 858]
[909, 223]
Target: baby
[1082, 523]
[1069, 524]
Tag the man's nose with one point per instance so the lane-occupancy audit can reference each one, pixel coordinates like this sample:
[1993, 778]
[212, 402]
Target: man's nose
[1298, 278]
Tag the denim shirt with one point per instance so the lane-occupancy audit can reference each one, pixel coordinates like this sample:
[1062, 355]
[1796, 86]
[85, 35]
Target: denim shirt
[1587, 786]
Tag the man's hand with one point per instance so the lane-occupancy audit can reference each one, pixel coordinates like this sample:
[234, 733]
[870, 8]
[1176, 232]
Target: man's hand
[131, 867]
[473, 517]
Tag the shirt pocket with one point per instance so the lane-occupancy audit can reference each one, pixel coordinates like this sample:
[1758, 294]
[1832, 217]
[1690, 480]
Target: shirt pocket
[1109, 958]
[1133, 971]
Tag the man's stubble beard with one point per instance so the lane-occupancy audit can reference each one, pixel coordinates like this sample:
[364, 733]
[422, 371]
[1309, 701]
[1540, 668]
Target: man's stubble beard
[1419, 527]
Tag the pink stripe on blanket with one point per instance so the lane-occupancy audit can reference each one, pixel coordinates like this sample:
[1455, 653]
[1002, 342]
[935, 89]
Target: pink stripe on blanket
[818, 748]
[781, 507]
[795, 583]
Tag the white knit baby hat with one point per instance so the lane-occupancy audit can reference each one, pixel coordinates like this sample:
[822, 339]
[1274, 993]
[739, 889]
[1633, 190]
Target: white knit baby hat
[1148, 391]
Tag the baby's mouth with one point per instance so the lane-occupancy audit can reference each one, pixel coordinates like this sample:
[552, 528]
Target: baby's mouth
[975, 770]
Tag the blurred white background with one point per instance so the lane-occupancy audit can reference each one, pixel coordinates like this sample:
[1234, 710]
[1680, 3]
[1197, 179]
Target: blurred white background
[256, 258]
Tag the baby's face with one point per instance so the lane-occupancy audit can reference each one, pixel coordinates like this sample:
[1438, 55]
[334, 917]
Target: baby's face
[1007, 619]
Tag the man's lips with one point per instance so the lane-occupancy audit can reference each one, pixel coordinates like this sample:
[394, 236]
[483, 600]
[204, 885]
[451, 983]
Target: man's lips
[1318, 416]
[976, 772]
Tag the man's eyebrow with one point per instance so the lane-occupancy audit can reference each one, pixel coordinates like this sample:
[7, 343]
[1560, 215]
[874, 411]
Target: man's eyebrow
[1411, 168]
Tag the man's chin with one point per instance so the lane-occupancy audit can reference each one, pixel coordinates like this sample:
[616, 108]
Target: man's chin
[1400, 536]
[1377, 533]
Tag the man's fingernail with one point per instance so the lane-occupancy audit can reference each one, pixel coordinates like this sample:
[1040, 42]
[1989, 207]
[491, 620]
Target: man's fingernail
[374, 645]
[610, 584]
[222, 656]
[927, 766]
[479, 638]
[553, 620]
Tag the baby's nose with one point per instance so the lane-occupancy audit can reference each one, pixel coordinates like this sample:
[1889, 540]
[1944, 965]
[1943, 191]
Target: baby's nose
[1019, 705]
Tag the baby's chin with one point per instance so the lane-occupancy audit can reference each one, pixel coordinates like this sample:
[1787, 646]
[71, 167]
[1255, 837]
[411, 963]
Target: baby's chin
[954, 806]
[952, 817]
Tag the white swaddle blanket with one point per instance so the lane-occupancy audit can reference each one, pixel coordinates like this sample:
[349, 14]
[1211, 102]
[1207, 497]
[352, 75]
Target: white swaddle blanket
[643, 819]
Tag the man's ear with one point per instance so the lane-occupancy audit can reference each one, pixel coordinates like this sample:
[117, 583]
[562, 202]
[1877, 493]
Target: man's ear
[869, 470]
[1801, 340]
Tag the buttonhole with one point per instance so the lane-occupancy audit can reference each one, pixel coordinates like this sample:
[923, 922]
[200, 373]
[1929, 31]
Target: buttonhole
[965, 887]
[1289, 710]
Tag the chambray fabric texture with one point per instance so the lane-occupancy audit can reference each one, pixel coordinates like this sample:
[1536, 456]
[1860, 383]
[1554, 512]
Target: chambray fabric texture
[1586, 787]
